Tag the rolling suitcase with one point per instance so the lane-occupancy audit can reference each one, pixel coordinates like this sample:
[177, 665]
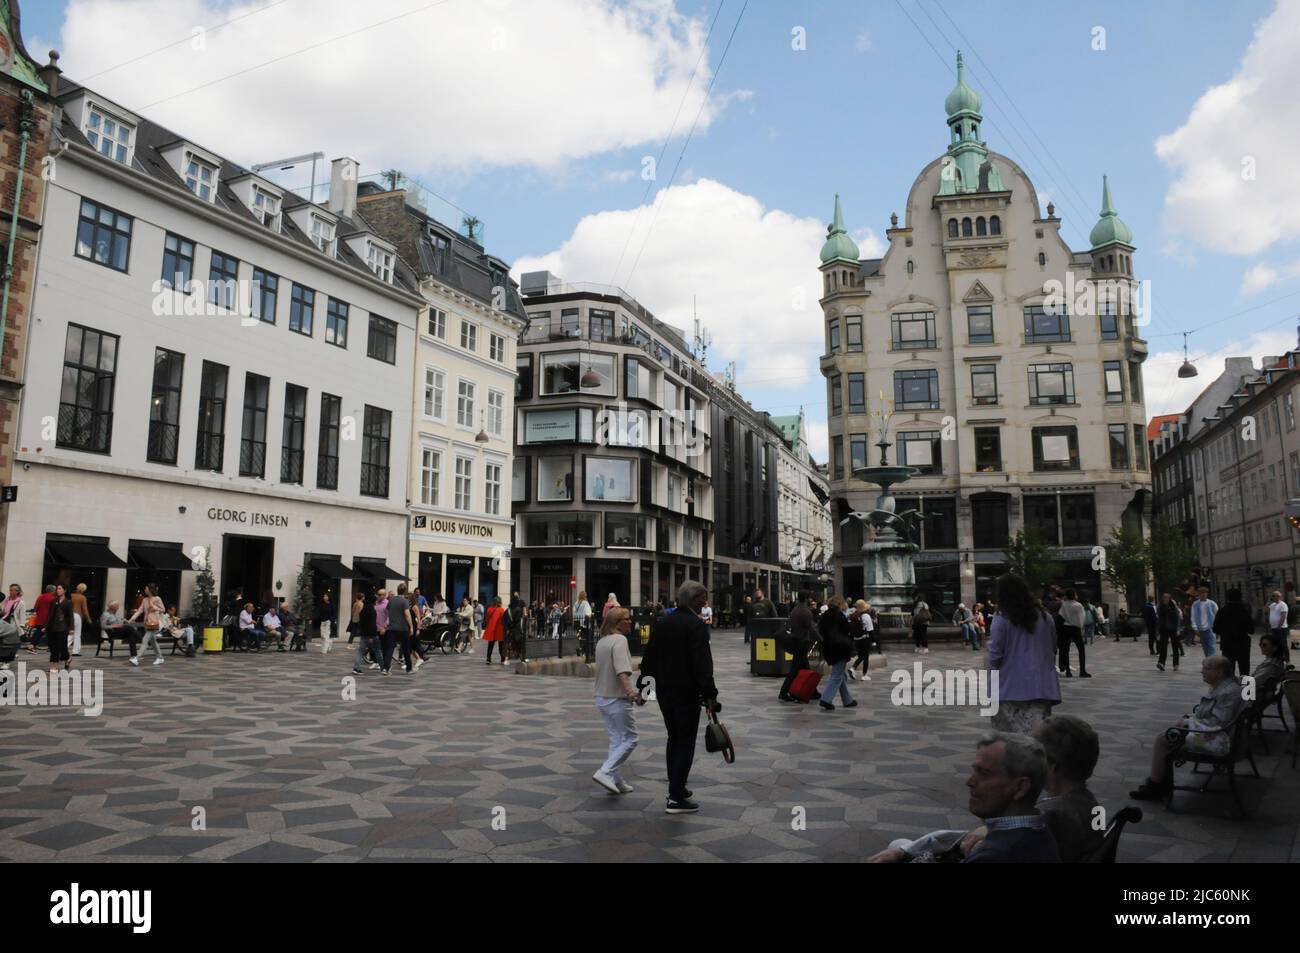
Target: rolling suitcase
[805, 684]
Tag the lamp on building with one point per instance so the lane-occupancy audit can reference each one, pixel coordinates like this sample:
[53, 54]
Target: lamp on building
[481, 436]
[1188, 369]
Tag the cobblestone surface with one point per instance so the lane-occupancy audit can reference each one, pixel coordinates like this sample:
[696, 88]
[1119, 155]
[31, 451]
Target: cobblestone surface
[417, 767]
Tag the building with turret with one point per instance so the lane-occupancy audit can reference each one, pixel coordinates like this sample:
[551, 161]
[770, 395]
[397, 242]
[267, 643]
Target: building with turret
[1001, 364]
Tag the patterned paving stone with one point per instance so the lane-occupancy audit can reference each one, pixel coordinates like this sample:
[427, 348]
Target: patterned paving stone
[428, 767]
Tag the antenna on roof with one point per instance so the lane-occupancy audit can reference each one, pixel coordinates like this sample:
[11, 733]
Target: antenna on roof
[702, 337]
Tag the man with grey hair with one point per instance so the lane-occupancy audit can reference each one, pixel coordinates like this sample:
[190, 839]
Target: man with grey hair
[1202, 730]
[679, 663]
[1008, 775]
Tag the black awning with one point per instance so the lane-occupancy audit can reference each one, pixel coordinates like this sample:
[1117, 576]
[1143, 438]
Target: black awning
[377, 571]
[334, 569]
[158, 557]
[83, 555]
[818, 492]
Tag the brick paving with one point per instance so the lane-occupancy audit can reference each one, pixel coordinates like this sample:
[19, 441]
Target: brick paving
[417, 767]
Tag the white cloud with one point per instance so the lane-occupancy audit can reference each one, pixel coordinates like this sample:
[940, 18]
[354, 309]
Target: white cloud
[1263, 275]
[1248, 126]
[870, 245]
[862, 42]
[819, 442]
[752, 271]
[1167, 393]
[455, 86]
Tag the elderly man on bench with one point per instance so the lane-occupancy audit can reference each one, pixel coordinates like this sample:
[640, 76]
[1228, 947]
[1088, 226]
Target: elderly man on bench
[1201, 731]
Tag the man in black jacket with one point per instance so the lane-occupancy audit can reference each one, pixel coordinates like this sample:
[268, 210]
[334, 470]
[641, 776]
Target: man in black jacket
[803, 632]
[1151, 618]
[1234, 625]
[680, 664]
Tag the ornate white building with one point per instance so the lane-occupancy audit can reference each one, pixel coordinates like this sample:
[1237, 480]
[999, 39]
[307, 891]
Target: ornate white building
[1018, 413]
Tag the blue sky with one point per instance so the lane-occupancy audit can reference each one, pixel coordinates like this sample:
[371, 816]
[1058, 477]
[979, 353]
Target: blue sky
[541, 129]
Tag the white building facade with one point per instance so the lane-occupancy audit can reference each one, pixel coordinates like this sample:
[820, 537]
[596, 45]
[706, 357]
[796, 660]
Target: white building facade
[219, 370]
[461, 528]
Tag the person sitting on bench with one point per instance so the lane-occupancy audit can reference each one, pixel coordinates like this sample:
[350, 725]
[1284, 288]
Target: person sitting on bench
[248, 629]
[112, 625]
[274, 629]
[183, 633]
[292, 628]
[1214, 712]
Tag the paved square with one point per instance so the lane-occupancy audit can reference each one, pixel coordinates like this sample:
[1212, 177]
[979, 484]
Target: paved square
[417, 766]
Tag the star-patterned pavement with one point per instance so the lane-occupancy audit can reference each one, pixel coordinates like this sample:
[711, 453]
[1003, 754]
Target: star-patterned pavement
[467, 762]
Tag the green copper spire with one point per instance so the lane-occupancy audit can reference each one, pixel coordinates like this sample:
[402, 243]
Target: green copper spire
[1110, 228]
[962, 98]
[838, 244]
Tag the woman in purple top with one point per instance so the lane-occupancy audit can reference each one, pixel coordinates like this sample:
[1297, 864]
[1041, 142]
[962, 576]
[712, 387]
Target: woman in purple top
[1022, 650]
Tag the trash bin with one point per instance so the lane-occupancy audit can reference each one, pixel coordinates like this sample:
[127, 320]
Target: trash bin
[767, 654]
[638, 637]
[213, 637]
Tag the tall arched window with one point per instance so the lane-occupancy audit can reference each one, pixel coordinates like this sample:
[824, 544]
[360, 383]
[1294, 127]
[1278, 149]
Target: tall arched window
[952, 228]
[981, 228]
[966, 228]
[909, 266]
[995, 226]
[1042, 259]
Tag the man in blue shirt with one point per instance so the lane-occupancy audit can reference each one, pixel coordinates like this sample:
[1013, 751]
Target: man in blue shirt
[1204, 609]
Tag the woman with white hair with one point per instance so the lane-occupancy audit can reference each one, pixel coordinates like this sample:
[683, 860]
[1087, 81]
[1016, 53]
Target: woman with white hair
[610, 603]
[615, 696]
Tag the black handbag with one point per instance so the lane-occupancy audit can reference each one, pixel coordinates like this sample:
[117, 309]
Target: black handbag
[717, 738]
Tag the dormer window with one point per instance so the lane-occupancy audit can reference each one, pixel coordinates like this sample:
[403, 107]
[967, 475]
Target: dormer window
[322, 233]
[200, 178]
[108, 135]
[380, 261]
[266, 207]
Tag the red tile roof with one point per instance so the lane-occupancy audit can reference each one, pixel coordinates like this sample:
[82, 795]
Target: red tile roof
[1153, 428]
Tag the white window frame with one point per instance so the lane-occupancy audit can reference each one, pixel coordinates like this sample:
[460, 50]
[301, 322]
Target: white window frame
[497, 347]
[466, 398]
[268, 212]
[492, 488]
[323, 233]
[464, 487]
[469, 333]
[496, 412]
[193, 158]
[430, 489]
[435, 394]
[97, 138]
[381, 261]
[436, 327]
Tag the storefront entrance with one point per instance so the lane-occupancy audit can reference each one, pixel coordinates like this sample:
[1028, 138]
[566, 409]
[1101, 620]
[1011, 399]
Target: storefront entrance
[247, 565]
[609, 575]
[70, 560]
[550, 582]
[487, 582]
[429, 576]
[459, 570]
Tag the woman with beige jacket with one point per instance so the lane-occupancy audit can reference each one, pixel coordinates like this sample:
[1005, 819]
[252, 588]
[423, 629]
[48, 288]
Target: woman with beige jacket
[80, 615]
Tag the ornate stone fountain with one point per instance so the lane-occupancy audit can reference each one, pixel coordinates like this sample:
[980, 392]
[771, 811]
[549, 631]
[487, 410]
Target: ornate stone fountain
[889, 573]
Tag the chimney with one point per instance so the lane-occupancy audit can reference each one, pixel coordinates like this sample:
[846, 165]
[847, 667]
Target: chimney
[343, 186]
[50, 73]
